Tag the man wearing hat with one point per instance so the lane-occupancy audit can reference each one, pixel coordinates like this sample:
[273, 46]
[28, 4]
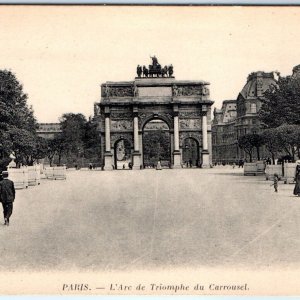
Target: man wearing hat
[7, 196]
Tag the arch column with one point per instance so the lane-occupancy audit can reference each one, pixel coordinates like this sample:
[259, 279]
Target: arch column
[136, 156]
[107, 155]
[176, 153]
[205, 152]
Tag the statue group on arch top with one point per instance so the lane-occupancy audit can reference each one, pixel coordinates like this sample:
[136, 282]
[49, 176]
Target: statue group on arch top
[154, 70]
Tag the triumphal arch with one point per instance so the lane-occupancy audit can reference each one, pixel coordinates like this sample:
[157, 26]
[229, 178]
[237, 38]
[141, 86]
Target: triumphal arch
[155, 118]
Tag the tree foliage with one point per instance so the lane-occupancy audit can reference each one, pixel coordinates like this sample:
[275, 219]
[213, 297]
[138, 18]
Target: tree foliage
[249, 142]
[17, 123]
[73, 132]
[270, 140]
[281, 104]
[288, 137]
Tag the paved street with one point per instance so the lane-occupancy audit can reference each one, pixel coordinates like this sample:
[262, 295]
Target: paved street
[130, 220]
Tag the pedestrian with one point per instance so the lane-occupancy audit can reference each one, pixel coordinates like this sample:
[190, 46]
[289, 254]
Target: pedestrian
[7, 196]
[297, 179]
[275, 182]
[158, 166]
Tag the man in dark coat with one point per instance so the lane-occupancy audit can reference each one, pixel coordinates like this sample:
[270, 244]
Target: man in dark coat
[7, 196]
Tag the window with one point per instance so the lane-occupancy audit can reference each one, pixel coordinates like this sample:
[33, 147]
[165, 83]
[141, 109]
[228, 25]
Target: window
[253, 108]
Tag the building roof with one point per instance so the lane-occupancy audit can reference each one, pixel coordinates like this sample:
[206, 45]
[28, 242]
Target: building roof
[257, 84]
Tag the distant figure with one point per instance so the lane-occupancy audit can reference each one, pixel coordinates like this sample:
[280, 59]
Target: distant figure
[275, 182]
[158, 166]
[123, 166]
[241, 163]
[90, 166]
[297, 179]
[7, 196]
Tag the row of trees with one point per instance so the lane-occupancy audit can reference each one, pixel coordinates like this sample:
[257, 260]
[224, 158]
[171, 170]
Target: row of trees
[279, 140]
[280, 117]
[79, 139]
[18, 130]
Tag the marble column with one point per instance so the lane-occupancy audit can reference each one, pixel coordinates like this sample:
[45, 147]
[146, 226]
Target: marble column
[136, 156]
[136, 133]
[176, 153]
[108, 161]
[205, 153]
[204, 133]
[176, 133]
[107, 134]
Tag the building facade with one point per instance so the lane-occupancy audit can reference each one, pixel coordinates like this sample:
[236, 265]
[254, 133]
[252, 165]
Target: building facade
[155, 119]
[48, 130]
[227, 128]
[224, 142]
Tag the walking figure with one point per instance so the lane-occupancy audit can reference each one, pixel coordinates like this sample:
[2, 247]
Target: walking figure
[275, 182]
[297, 179]
[7, 196]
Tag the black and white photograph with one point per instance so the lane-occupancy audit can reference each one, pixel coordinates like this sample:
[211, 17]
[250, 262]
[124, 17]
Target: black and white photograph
[149, 150]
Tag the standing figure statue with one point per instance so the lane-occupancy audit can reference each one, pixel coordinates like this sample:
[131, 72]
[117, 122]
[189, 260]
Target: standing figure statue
[139, 71]
[145, 71]
[107, 91]
[170, 70]
[175, 90]
[154, 60]
[205, 91]
[135, 90]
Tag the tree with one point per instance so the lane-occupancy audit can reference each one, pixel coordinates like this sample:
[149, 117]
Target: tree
[22, 144]
[91, 140]
[55, 147]
[257, 142]
[73, 132]
[270, 140]
[288, 137]
[281, 103]
[17, 123]
[245, 143]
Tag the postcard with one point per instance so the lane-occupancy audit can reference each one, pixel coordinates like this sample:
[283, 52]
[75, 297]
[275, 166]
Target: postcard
[149, 150]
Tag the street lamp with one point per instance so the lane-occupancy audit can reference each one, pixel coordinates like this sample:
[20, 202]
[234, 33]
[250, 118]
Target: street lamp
[1, 151]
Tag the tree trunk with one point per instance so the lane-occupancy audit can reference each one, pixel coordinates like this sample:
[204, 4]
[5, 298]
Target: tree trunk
[273, 158]
[250, 157]
[257, 150]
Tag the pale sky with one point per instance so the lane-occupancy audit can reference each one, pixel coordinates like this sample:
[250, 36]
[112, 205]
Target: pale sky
[62, 54]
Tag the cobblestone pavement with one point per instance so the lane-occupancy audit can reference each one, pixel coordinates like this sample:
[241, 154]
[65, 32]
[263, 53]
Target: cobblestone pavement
[127, 220]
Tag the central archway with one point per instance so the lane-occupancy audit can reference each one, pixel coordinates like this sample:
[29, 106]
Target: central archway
[156, 143]
[190, 152]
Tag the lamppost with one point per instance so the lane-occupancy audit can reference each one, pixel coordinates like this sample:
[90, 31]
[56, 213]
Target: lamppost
[1, 151]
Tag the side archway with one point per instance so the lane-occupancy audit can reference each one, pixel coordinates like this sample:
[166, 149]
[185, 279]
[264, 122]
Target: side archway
[122, 154]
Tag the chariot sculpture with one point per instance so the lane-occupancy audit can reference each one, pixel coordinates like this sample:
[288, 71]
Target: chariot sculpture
[155, 69]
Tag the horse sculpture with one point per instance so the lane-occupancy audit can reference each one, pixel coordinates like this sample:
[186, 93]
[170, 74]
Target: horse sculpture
[145, 71]
[155, 70]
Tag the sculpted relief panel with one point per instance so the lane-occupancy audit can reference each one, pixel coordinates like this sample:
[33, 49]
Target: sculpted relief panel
[112, 91]
[190, 124]
[121, 125]
[190, 90]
